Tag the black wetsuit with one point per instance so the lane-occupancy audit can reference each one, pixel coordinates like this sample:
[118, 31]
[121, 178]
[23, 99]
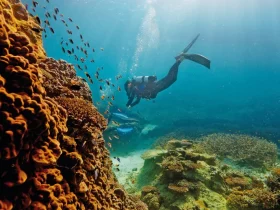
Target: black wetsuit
[150, 90]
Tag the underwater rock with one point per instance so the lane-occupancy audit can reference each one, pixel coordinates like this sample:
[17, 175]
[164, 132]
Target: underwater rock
[153, 153]
[47, 145]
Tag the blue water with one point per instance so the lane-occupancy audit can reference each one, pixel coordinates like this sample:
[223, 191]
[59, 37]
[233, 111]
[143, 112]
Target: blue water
[241, 92]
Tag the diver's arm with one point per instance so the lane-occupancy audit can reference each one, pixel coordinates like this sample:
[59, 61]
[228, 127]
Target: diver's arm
[136, 101]
[130, 99]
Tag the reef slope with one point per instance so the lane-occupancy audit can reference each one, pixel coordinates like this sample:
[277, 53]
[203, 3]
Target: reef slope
[52, 152]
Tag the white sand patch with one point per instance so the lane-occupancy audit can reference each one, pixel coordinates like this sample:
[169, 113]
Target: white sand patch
[127, 164]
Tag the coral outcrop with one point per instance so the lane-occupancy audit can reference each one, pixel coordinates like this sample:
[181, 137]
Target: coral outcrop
[178, 175]
[52, 153]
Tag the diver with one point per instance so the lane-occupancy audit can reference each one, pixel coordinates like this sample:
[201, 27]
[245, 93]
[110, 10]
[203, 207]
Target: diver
[148, 87]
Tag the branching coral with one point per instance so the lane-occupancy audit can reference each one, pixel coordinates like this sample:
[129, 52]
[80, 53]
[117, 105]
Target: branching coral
[241, 148]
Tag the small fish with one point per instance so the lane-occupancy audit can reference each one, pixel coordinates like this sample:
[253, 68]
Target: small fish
[110, 138]
[81, 36]
[61, 15]
[110, 103]
[78, 27]
[119, 110]
[85, 67]
[90, 80]
[76, 58]
[88, 45]
[63, 21]
[79, 67]
[48, 1]
[109, 144]
[77, 47]
[26, 6]
[73, 50]
[96, 172]
[102, 49]
[69, 32]
[108, 83]
[52, 30]
[87, 74]
[33, 10]
[47, 22]
[84, 79]
[113, 98]
[100, 87]
[106, 112]
[70, 19]
[118, 159]
[66, 44]
[117, 165]
[100, 80]
[38, 19]
[61, 42]
[116, 137]
[71, 41]
[45, 30]
[84, 143]
[103, 97]
[56, 10]
[92, 61]
[69, 52]
[93, 50]
[54, 17]
[119, 89]
[113, 85]
[117, 169]
[35, 3]
[82, 60]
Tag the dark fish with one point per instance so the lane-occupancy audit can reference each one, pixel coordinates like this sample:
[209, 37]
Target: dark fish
[113, 98]
[63, 49]
[45, 35]
[78, 27]
[69, 52]
[117, 169]
[85, 67]
[76, 58]
[66, 43]
[38, 19]
[107, 81]
[35, 3]
[66, 24]
[82, 49]
[73, 50]
[75, 87]
[37, 30]
[81, 36]
[33, 10]
[85, 44]
[90, 80]
[48, 1]
[26, 6]
[100, 88]
[47, 22]
[71, 41]
[79, 67]
[54, 17]
[84, 79]
[119, 89]
[110, 103]
[118, 159]
[56, 10]
[61, 42]
[69, 32]
[100, 80]
[82, 60]
[93, 50]
[87, 74]
[52, 30]
[70, 19]
[85, 51]
[92, 61]
[113, 85]
[88, 45]
[63, 21]
[45, 30]
[77, 47]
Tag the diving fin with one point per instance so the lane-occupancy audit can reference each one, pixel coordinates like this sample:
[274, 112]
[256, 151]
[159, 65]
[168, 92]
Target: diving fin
[198, 59]
[188, 47]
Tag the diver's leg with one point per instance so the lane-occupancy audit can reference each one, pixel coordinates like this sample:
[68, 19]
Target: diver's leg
[169, 79]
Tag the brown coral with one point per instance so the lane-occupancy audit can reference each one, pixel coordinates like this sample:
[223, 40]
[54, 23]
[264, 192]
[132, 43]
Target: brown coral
[44, 161]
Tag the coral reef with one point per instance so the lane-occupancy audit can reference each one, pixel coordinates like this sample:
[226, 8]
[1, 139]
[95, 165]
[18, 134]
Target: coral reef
[52, 152]
[59, 79]
[176, 175]
[243, 149]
